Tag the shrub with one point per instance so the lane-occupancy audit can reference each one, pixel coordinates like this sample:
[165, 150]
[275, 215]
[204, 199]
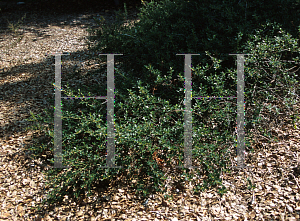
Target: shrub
[272, 77]
[170, 27]
[149, 125]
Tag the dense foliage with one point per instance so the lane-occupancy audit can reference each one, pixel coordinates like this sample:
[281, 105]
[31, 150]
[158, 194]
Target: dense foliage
[149, 94]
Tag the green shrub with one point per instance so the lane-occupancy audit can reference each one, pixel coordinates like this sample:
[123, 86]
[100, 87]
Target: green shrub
[170, 27]
[149, 125]
[272, 77]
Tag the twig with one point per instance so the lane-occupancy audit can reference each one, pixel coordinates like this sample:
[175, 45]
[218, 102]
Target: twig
[296, 181]
[160, 214]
